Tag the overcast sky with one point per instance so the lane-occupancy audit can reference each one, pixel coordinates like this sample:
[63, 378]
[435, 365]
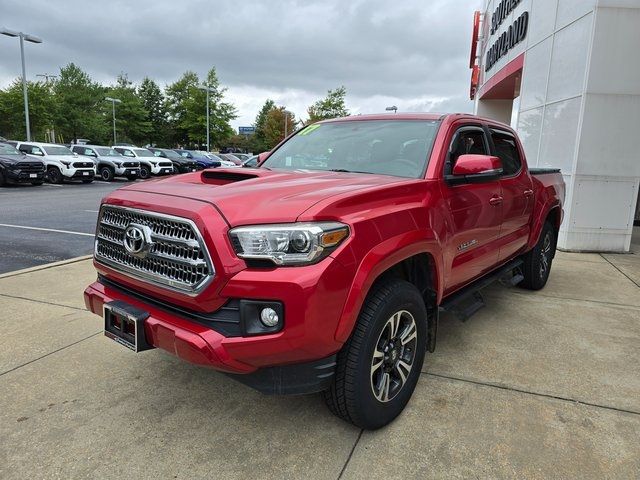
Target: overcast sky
[409, 53]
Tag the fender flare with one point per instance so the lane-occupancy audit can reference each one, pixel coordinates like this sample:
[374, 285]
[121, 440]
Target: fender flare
[539, 220]
[378, 260]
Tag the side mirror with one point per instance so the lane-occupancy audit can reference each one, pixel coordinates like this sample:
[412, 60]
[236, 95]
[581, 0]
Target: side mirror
[262, 157]
[475, 169]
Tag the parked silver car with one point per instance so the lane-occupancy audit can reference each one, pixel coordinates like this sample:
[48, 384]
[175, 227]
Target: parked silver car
[109, 163]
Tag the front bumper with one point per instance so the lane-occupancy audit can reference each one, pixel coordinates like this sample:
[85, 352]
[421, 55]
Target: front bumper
[127, 171]
[72, 172]
[19, 176]
[312, 298]
[161, 170]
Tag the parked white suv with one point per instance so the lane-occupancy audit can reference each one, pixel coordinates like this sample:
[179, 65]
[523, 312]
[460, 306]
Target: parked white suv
[60, 162]
[109, 163]
[149, 163]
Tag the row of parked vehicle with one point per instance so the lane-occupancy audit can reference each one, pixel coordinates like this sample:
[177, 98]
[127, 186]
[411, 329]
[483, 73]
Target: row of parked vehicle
[35, 162]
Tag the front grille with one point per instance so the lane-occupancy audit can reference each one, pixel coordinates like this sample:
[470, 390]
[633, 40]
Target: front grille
[176, 256]
[83, 164]
[130, 164]
[165, 164]
[31, 167]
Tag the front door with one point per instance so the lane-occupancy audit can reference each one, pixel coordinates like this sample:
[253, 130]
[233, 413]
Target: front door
[475, 214]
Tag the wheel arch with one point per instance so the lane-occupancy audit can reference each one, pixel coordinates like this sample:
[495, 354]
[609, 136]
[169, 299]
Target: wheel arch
[416, 263]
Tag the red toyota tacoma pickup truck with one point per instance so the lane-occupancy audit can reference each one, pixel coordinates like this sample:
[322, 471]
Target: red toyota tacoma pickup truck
[325, 269]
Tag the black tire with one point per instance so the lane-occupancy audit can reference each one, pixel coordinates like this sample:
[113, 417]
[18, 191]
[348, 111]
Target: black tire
[106, 174]
[87, 180]
[38, 183]
[357, 393]
[54, 175]
[144, 172]
[537, 262]
[3, 181]
[132, 178]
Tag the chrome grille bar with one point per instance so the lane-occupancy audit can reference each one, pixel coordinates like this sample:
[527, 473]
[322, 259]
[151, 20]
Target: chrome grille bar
[177, 256]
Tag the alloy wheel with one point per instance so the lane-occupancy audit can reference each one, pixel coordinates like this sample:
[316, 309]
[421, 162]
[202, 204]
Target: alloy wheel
[393, 356]
[545, 255]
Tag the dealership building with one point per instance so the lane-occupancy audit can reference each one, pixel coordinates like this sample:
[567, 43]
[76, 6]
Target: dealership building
[566, 75]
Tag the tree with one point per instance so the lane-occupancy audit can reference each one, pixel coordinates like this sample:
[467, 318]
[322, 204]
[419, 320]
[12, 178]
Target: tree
[132, 124]
[79, 110]
[258, 140]
[332, 106]
[274, 126]
[41, 110]
[186, 104]
[154, 104]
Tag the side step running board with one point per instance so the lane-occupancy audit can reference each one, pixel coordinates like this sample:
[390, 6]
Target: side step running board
[467, 301]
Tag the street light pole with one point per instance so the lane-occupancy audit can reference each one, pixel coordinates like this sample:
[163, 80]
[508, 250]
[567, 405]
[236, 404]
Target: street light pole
[286, 121]
[113, 109]
[208, 90]
[29, 38]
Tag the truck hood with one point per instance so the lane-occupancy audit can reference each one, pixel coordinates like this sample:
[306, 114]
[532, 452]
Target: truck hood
[252, 196]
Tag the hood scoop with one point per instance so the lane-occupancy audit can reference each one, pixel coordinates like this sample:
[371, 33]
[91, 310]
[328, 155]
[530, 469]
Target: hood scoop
[214, 177]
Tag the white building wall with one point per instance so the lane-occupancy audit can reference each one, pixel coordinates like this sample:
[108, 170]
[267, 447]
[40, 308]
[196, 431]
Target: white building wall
[580, 111]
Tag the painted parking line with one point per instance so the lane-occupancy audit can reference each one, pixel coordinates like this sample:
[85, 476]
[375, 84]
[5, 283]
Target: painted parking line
[47, 230]
[91, 211]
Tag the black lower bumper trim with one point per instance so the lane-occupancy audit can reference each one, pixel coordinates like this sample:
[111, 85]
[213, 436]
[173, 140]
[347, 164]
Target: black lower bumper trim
[297, 379]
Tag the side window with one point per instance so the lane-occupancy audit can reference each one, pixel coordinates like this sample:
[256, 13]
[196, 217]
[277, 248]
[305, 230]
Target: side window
[88, 151]
[127, 153]
[25, 148]
[507, 150]
[466, 141]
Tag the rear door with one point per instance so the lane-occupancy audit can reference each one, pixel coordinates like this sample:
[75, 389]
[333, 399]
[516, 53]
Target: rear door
[517, 194]
[474, 215]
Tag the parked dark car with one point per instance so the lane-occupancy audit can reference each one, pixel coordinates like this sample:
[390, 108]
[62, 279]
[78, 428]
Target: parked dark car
[16, 167]
[200, 158]
[180, 164]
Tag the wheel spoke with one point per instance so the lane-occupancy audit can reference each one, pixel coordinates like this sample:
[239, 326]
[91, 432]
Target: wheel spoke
[395, 323]
[384, 387]
[403, 369]
[408, 334]
[378, 361]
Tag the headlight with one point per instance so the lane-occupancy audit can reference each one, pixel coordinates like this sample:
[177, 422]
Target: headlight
[288, 244]
[117, 163]
[66, 163]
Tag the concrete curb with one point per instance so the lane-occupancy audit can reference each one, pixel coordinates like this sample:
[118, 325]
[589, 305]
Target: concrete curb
[45, 266]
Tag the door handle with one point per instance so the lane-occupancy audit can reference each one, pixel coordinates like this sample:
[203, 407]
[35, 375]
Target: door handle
[528, 193]
[495, 200]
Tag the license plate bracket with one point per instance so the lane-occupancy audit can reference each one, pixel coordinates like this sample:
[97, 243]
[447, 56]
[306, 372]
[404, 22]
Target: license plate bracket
[124, 324]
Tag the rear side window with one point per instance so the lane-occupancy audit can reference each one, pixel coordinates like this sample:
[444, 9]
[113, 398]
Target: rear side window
[507, 150]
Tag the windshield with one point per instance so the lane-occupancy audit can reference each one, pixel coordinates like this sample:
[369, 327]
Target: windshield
[6, 149]
[170, 154]
[107, 152]
[387, 147]
[143, 152]
[57, 150]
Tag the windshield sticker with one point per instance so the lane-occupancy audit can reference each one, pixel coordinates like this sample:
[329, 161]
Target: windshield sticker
[310, 129]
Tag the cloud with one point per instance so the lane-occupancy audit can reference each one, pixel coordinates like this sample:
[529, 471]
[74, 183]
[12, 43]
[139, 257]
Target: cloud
[413, 54]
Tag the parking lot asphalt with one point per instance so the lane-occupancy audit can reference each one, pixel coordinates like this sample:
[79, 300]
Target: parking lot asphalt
[49, 223]
[536, 385]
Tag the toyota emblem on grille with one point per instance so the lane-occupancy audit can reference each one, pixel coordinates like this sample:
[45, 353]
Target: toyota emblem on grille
[137, 240]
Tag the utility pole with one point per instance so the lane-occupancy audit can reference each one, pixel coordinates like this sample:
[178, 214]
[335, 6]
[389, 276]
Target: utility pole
[113, 109]
[207, 89]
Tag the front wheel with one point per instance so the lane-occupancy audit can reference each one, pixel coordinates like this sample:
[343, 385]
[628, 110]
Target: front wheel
[106, 174]
[54, 175]
[379, 366]
[537, 262]
[144, 172]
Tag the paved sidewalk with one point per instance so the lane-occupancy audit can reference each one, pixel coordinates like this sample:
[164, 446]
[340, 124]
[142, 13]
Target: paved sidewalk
[536, 385]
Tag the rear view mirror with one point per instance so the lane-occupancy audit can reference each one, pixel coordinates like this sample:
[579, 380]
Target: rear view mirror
[475, 169]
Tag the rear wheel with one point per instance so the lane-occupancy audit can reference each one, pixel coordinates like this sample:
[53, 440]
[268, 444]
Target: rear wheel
[54, 175]
[144, 172]
[106, 174]
[537, 262]
[379, 366]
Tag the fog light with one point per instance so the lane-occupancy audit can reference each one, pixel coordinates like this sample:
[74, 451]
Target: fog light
[269, 317]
